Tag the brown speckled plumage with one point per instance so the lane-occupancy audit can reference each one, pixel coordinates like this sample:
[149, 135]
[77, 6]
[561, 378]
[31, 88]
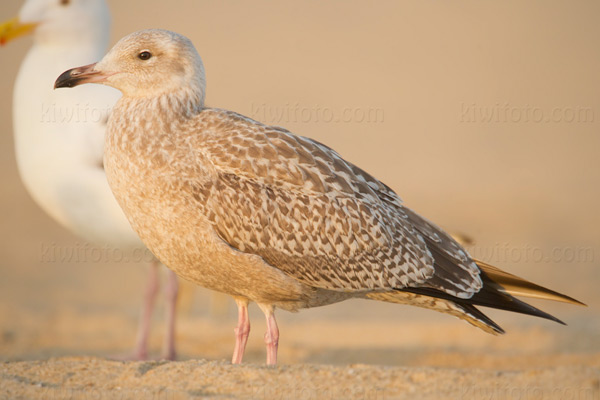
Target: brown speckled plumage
[261, 191]
[262, 214]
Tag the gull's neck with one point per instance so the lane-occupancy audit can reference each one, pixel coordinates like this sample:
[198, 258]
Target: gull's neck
[168, 107]
[142, 119]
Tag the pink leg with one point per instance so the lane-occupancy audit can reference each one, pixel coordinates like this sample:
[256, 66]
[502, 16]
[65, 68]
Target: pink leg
[171, 291]
[272, 334]
[241, 331]
[140, 352]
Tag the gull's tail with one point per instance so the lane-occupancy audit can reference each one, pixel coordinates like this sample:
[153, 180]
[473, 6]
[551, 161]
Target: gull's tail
[513, 285]
[498, 291]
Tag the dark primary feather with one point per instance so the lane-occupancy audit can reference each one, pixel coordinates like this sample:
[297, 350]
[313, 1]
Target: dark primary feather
[488, 296]
[494, 294]
[472, 311]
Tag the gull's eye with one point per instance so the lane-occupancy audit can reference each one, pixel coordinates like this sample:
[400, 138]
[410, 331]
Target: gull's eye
[144, 55]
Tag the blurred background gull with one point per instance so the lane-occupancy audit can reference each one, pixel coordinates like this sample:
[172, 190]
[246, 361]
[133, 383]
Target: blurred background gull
[59, 140]
[484, 117]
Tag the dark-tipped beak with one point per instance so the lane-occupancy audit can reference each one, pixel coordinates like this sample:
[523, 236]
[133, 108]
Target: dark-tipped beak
[79, 76]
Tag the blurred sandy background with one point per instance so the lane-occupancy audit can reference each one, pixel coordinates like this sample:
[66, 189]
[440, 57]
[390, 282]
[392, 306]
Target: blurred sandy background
[483, 116]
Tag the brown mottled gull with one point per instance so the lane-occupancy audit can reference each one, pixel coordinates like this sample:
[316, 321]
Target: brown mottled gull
[264, 215]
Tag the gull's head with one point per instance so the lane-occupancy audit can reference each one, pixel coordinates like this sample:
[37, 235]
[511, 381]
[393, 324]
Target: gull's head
[145, 64]
[60, 21]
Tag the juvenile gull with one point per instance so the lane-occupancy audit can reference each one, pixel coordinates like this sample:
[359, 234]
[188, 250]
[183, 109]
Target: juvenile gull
[264, 215]
[59, 137]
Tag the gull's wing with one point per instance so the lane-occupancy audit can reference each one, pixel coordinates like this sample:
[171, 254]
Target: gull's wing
[320, 219]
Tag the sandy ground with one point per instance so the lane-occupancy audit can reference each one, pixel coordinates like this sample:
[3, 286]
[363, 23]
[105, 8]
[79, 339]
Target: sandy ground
[527, 191]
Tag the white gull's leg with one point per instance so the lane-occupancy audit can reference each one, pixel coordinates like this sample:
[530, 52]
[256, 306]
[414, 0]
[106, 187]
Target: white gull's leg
[171, 292]
[241, 331]
[272, 334]
[140, 351]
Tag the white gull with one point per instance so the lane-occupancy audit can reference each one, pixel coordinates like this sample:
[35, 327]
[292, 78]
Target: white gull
[59, 137]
